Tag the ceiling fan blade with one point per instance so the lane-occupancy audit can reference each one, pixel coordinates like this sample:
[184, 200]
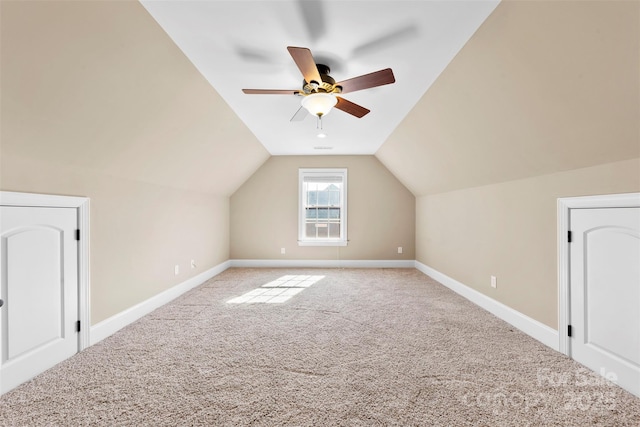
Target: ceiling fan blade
[386, 41]
[313, 15]
[378, 78]
[305, 62]
[351, 108]
[300, 115]
[254, 55]
[270, 92]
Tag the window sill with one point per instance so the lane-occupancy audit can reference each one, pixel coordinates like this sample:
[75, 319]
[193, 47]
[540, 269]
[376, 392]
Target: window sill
[322, 243]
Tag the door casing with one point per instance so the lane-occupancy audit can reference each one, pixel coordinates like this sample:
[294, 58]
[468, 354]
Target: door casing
[565, 205]
[81, 205]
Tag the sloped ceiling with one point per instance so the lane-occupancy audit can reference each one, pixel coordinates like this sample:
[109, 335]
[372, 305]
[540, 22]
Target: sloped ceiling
[542, 87]
[100, 87]
[242, 44]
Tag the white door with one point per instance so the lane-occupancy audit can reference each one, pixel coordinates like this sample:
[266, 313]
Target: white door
[605, 292]
[39, 290]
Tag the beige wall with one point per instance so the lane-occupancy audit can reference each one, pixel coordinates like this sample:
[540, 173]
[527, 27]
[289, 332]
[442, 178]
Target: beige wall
[139, 231]
[264, 212]
[98, 102]
[541, 87]
[543, 102]
[509, 230]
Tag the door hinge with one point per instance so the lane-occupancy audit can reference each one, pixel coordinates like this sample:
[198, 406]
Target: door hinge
[78, 326]
[569, 236]
[569, 330]
[78, 234]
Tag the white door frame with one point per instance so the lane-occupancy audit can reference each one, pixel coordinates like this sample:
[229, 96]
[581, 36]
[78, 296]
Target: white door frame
[565, 205]
[81, 204]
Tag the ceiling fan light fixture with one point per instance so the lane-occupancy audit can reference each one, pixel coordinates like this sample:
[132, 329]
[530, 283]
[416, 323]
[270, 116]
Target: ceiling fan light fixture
[319, 104]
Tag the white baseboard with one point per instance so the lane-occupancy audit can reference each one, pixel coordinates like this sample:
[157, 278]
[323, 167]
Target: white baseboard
[311, 263]
[526, 324]
[114, 323]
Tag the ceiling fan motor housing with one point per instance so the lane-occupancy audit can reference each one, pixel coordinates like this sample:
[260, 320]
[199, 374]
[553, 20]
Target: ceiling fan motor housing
[328, 84]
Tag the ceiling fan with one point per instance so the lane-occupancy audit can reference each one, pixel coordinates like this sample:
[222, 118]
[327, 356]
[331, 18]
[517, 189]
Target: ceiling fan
[320, 90]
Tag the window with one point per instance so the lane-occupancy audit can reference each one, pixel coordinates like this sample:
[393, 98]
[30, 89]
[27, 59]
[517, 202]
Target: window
[322, 219]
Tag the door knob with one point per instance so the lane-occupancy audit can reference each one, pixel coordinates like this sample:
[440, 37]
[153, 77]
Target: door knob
[1, 303]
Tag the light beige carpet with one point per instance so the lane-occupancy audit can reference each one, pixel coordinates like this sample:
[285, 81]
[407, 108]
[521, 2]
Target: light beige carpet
[374, 347]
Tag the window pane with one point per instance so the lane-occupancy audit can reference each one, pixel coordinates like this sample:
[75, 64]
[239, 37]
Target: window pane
[312, 199]
[310, 229]
[334, 198]
[322, 230]
[323, 198]
[334, 230]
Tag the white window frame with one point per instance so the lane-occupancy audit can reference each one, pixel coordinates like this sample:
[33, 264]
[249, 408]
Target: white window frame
[319, 172]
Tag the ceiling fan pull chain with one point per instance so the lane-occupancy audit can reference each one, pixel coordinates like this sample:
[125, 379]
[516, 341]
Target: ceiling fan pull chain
[319, 122]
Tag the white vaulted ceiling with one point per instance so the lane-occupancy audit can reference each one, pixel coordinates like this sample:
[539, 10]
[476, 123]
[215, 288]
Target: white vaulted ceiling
[242, 44]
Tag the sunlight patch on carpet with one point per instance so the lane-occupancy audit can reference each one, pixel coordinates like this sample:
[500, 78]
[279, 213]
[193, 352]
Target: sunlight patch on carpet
[277, 291]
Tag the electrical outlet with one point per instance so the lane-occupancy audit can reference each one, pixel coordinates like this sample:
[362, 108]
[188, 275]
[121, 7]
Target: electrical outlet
[494, 282]
[283, 251]
[176, 270]
[399, 249]
[193, 263]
